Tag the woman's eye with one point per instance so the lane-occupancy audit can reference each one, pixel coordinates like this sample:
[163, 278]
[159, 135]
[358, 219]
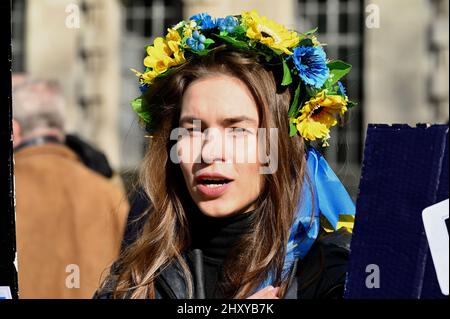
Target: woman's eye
[194, 130]
[239, 131]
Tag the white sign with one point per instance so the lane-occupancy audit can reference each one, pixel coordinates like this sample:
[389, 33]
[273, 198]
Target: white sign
[436, 222]
[5, 292]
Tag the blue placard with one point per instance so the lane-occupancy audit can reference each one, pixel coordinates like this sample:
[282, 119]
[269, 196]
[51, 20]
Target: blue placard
[405, 169]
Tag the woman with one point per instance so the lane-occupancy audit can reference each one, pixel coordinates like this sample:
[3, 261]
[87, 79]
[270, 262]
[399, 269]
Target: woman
[236, 195]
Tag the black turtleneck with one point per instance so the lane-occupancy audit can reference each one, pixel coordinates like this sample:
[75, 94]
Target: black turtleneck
[216, 238]
[321, 274]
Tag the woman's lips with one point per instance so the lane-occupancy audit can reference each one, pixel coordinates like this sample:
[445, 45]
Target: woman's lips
[213, 191]
[212, 185]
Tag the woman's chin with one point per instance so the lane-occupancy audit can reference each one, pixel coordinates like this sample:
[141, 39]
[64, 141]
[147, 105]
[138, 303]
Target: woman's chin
[216, 208]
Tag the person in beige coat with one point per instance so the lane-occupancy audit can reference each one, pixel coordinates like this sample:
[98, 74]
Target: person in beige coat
[69, 219]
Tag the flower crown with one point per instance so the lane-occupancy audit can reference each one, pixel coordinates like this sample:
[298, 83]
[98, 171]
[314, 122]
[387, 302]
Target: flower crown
[319, 95]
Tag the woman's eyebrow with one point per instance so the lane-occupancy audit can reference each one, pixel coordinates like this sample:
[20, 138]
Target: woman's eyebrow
[239, 119]
[226, 121]
[188, 120]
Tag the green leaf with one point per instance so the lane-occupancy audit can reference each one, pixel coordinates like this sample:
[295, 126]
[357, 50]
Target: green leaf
[332, 89]
[183, 41]
[293, 109]
[202, 52]
[292, 129]
[329, 87]
[306, 43]
[338, 69]
[310, 32]
[351, 104]
[239, 30]
[287, 78]
[312, 91]
[207, 43]
[137, 106]
[233, 41]
[267, 57]
[276, 51]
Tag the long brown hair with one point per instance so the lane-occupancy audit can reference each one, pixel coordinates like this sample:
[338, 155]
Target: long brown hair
[165, 235]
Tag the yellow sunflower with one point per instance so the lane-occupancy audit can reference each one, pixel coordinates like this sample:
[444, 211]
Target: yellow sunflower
[318, 115]
[268, 32]
[162, 55]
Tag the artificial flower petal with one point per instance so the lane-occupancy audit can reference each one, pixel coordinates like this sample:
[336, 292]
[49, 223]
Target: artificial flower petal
[269, 33]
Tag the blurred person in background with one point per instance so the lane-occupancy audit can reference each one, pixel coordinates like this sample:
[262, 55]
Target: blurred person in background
[69, 218]
[88, 154]
[91, 157]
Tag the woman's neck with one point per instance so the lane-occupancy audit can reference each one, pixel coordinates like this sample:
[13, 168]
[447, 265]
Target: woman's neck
[216, 237]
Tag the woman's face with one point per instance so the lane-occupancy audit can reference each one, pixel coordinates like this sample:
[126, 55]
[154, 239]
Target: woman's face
[218, 152]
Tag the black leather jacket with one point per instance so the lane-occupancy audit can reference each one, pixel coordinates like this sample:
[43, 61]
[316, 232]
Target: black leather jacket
[320, 275]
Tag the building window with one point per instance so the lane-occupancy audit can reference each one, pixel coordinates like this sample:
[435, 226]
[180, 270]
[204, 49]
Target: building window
[142, 22]
[340, 26]
[438, 46]
[18, 36]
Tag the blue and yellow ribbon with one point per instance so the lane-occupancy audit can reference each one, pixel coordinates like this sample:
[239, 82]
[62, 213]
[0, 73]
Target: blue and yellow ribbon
[324, 203]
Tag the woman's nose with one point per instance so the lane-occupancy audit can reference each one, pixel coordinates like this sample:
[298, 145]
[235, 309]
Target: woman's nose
[213, 146]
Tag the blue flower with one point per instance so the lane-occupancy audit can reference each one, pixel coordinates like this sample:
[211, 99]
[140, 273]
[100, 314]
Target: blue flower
[204, 21]
[228, 24]
[196, 42]
[341, 89]
[143, 88]
[312, 65]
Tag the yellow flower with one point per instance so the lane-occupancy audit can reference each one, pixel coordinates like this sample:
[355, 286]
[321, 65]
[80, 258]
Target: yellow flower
[143, 77]
[268, 32]
[158, 56]
[179, 25]
[318, 116]
[173, 39]
[187, 32]
[146, 77]
[173, 35]
[162, 55]
[315, 42]
[189, 28]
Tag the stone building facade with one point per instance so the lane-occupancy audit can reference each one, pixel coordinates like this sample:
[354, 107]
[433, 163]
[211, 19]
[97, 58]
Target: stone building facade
[400, 51]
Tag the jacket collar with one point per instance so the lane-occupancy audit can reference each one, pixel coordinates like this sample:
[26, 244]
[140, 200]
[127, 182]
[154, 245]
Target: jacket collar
[56, 149]
[172, 284]
[39, 140]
